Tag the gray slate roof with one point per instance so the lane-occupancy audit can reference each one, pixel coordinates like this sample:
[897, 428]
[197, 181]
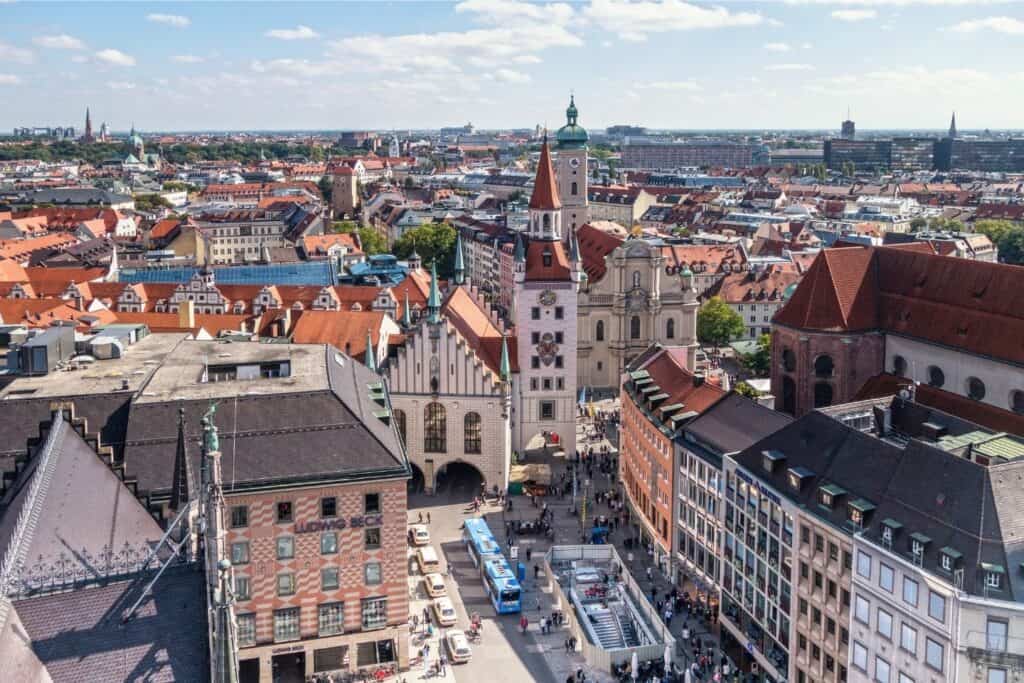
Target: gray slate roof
[957, 503]
[734, 423]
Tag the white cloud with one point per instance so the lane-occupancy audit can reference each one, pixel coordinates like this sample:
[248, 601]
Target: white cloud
[10, 53]
[777, 47]
[902, 82]
[806, 46]
[175, 20]
[1007, 25]
[789, 67]
[854, 14]
[59, 42]
[116, 57]
[120, 85]
[9, 79]
[505, 12]
[898, 3]
[671, 85]
[633, 21]
[300, 32]
[527, 59]
[187, 59]
[301, 67]
[511, 76]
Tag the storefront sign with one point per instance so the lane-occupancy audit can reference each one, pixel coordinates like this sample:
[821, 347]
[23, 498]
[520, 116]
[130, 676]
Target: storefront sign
[286, 650]
[356, 522]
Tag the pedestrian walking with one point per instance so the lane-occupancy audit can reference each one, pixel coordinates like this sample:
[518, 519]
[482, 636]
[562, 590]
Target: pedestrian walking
[650, 571]
[428, 518]
[524, 623]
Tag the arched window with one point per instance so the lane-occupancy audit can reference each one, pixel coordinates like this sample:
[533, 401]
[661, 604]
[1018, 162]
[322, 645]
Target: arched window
[547, 222]
[670, 329]
[823, 366]
[1017, 401]
[636, 278]
[575, 189]
[975, 388]
[634, 327]
[822, 394]
[936, 377]
[399, 417]
[899, 366]
[435, 426]
[471, 426]
[599, 332]
[788, 395]
[788, 360]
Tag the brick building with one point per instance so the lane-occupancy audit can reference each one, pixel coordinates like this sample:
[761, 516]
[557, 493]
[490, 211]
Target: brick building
[948, 322]
[658, 397]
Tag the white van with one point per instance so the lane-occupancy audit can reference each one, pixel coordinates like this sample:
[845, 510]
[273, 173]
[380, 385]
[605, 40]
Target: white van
[426, 558]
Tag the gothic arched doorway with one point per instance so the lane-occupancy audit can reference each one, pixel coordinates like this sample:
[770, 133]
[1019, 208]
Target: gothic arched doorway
[459, 480]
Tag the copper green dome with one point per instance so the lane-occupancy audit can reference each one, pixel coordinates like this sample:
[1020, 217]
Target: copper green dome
[571, 135]
[788, 291]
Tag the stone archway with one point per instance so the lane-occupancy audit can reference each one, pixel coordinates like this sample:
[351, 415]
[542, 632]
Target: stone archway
[459, 480]
[416, 483]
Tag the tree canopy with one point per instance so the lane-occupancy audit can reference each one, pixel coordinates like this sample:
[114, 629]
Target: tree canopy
[717, 323]
[760, 361]
[1007, 236]
[372, 241]
[433, 242]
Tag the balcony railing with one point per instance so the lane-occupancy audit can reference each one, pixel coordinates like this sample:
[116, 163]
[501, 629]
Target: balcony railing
[995, 650]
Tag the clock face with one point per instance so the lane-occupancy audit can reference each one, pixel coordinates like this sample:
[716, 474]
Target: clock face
[547, 298]
[574, 162]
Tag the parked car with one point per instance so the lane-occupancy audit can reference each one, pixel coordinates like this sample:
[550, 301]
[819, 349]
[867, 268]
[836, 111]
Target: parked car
[434, 585]
[419, 534]
[444, 612]
[458, 647]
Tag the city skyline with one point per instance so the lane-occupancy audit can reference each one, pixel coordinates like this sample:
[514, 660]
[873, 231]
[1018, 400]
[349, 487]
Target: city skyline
[798, 64]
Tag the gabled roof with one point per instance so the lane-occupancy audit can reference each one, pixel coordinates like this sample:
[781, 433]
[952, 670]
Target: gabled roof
[536, 270]
[595, 245]
[467, 316]
[835, 294]
[545, 191]
[344, 330]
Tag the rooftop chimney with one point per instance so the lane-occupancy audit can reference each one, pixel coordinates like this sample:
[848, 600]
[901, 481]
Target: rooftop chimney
[187, 315]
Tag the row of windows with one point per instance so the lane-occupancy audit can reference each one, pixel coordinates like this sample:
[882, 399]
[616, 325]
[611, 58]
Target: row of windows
[435, 429]
[974, 388]
[546, 383]
[934, 657]
[285, 510]
[330, 621]
[887, 582]
[535, 313]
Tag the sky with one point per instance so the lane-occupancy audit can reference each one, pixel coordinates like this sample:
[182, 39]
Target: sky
[508, 63]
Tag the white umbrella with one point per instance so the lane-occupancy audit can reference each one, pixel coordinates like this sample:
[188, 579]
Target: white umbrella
[689, 676]
[668, 658]
[634, 666]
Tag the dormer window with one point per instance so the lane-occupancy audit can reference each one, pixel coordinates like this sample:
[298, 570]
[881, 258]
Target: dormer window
[949, 558]
[860, 510]
[993, 575]
[771, 459]
[798, 476]
[829, 494]
[918, 544]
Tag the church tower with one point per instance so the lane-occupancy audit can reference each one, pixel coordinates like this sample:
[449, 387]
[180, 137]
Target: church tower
[572, 171]
[547, 277]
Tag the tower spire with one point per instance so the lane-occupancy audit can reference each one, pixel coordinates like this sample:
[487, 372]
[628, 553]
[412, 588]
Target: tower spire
[182, 486]
[505, 369]
[952, 126]
[434, 299]
[406, 318]
[545, 192]
[460, 267]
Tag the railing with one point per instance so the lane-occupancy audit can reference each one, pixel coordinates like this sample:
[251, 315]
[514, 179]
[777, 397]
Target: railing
[995, 649]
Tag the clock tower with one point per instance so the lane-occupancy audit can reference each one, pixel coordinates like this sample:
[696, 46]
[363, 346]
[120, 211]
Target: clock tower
[572, 171]
[547, 275]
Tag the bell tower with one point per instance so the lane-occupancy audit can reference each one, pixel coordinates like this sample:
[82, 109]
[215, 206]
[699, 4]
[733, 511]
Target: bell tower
[572, 171]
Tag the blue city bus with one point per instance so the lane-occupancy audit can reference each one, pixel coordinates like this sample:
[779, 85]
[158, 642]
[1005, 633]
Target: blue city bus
[499, 580]
[480, 542]
[502, 587]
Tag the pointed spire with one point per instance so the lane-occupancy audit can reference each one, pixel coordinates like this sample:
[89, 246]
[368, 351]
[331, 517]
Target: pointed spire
[545, 192]
[574, 248]
[182, 486]
[520, 255]
[952, 126]
[406, 317]
[460, 268]
[434, 300]
[370, 360]
[505, 369]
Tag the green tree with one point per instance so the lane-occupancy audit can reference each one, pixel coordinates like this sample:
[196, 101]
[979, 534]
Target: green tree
[372, 241]
[744, 389]
[717, 323]
[316, 154]
[433, 242]
[918, 223]
[760, 361]
[151, 202]
[1007, 236]
[941, 224]
[326, 189]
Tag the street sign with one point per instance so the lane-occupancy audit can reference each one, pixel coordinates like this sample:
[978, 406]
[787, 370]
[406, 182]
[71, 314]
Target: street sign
[513, 552]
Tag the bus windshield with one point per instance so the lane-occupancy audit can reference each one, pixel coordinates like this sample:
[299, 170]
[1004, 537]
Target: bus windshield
[510, 595]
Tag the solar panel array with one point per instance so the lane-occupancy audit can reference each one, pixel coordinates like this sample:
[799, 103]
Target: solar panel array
[310, 273]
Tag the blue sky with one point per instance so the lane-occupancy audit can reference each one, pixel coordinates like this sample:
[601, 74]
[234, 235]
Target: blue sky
[498, 63]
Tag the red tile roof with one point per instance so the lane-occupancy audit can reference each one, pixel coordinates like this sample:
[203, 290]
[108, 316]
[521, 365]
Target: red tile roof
[545, 192]
[667, 368]
[163, 228]
[595, 245]
[958, 303]
[536, 270]
[467, 316]
[345, 330]
[767, 285]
